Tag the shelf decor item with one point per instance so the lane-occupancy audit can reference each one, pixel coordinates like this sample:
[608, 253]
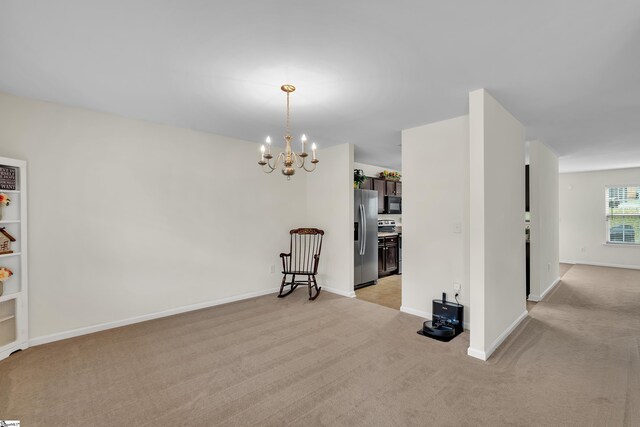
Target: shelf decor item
[290, 159]
[390, 175]
[358, 178]
[5, 241]
[7, 178]
[4, 201]
[5, 273]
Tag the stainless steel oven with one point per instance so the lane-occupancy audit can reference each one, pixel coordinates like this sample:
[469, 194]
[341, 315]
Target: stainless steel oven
[392, 204]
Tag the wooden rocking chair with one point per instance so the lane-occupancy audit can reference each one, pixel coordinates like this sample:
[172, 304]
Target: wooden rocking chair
[302, 260]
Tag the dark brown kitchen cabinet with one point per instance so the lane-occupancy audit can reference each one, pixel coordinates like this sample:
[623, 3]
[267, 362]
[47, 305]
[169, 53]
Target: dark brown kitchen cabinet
[367, 184]
[379, 186]
[384, 188]
[390, 188]
[393, 188]
[387, 255]
[381, 257]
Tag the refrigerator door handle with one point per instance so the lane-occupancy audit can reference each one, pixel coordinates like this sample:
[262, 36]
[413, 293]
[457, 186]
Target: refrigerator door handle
[363, 242]
[361, 228]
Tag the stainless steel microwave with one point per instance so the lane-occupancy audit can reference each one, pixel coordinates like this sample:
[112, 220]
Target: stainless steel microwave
[392, 204]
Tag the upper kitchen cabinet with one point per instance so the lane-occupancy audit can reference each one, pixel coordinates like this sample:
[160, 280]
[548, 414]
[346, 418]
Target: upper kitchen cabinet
[379, 186]
[367, 184]
[393, 188]
[384, 188]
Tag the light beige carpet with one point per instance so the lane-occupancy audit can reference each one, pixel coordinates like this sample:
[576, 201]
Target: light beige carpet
[345, 362]
[564, 268]
[387, 292]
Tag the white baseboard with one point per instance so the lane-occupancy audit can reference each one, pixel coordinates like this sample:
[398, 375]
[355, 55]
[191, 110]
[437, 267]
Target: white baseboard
[484, 355]
[170, 312]
[602, 264]
[477, 354]
[425, 314]
[351, 294]
[553, 285]
[537, 298]
[416, 312]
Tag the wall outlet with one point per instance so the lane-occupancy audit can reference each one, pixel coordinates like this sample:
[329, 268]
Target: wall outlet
[457, 286]
[457, 227]
[548, 267]
[272, 269]
[583, 249]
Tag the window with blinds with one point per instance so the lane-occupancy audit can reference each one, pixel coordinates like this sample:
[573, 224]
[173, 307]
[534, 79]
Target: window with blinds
[623, 214]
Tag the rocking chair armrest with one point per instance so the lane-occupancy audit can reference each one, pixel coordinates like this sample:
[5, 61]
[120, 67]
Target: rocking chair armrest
[286, 259]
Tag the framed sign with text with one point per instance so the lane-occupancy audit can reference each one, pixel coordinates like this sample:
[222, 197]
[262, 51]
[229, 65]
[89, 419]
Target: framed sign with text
[7, 178]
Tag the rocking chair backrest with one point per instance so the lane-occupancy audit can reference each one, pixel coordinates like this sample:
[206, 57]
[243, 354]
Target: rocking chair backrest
[305, 247]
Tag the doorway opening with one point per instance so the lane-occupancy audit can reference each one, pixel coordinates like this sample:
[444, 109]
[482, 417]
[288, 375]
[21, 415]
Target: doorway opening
[378, 236]
[388, 289]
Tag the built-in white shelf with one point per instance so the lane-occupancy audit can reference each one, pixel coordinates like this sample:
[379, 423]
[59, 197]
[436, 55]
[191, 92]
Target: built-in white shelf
[4, 319]
[14, 307]
[7, 297]
[10, 255]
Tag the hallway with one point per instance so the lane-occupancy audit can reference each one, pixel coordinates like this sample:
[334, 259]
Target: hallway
[585, 338]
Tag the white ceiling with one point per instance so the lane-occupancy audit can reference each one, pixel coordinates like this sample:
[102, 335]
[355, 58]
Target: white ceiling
[569, 70]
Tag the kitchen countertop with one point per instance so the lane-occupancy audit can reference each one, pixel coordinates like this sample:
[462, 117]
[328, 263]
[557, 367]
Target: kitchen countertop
[389, 234]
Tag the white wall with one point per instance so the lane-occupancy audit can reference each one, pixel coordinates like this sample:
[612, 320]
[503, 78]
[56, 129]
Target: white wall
[435, 160]
[544, 214]
[330, 207]
[497, 240]
[372, 170]
[129, 218]
[582, 219]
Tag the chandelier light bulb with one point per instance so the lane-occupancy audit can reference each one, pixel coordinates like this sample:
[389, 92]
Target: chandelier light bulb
[268, 140]
[262, 149]
[303, 138]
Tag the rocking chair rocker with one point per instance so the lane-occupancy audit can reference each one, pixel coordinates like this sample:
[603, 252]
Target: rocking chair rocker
[302, 260]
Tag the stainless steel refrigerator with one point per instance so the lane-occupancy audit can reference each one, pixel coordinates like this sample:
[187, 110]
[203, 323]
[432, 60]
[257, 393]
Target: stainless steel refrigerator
[365, 238]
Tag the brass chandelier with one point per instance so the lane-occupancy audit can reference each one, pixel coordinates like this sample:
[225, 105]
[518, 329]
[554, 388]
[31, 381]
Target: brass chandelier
[290, 159]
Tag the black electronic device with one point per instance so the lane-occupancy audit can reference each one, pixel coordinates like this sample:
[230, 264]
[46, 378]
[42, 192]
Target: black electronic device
[447, 320]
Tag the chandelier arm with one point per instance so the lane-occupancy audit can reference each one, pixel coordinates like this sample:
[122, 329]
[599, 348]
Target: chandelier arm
[309, 170]
[275, 164]
[298, 160]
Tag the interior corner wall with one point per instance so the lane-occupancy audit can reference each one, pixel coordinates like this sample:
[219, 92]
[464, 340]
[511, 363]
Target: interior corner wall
[583, 229]
[129, 219]
[497, 240]
[330, 207]
[544, 217]
[435, 160]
